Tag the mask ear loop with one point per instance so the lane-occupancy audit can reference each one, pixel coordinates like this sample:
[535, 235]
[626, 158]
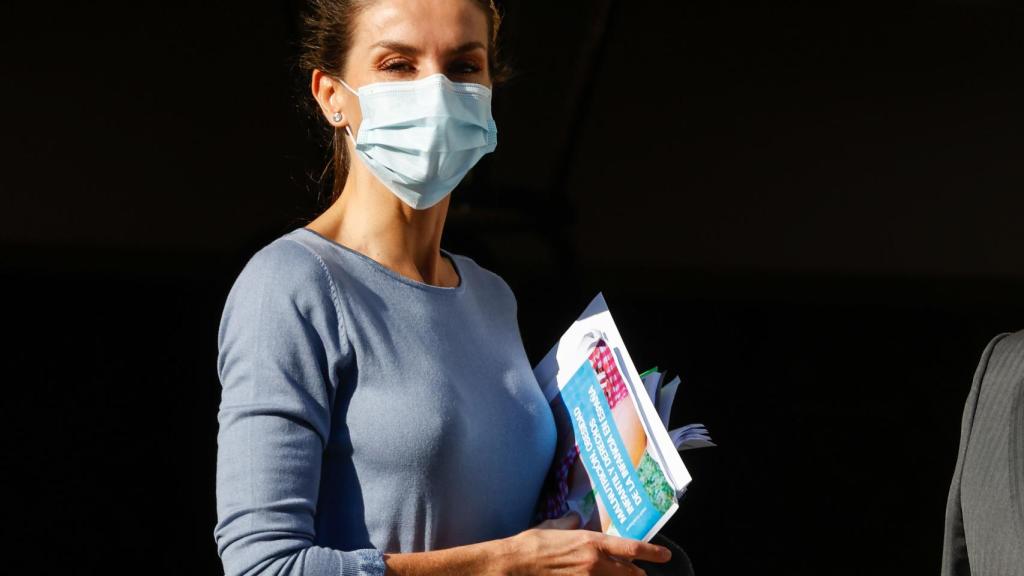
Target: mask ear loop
[348, 129]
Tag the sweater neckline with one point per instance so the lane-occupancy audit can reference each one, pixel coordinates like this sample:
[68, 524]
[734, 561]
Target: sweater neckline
[458, 289]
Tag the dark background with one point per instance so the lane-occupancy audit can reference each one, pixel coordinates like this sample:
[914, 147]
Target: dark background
[811, 211]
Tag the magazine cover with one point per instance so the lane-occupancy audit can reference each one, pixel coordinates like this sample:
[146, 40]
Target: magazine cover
[615, 463]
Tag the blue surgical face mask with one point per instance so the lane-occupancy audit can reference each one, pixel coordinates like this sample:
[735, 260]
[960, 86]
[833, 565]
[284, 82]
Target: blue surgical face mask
[421, 137]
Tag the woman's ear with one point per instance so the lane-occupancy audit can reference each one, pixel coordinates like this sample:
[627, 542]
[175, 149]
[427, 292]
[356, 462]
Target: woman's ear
[331, 97]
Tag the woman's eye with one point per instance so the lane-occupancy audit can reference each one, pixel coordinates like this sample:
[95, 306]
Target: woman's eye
[465, 68]
[396, 66]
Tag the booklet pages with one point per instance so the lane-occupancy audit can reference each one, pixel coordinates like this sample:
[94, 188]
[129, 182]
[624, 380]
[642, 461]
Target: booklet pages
[616, 463]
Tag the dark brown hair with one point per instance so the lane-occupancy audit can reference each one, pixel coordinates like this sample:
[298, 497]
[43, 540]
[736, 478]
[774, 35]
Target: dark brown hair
[327, 38]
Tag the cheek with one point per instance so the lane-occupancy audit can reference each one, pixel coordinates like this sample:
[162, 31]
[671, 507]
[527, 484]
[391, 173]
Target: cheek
[352, 112]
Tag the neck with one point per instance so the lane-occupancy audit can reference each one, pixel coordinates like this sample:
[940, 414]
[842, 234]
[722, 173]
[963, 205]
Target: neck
[369, 219]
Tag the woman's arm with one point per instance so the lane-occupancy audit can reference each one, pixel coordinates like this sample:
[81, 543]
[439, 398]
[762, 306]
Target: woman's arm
[484, 559]
[279, 344]
[552, 547]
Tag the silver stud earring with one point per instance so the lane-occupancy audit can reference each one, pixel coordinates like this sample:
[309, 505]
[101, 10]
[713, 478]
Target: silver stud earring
[337, 116]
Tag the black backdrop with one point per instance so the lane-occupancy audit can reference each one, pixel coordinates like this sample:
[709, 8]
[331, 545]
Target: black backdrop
[812, 212]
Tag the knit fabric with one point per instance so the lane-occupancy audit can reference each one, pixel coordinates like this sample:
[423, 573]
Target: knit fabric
[363, 412]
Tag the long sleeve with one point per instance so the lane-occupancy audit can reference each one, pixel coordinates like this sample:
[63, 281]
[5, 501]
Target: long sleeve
[955, 559]
[280, 346]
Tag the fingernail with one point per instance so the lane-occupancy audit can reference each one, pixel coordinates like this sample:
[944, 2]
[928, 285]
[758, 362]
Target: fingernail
[666, 553]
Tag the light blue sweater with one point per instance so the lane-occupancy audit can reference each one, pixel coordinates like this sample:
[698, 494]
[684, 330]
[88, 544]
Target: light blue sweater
[363, 412]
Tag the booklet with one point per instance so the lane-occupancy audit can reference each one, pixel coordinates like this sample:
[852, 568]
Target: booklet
[616, 463]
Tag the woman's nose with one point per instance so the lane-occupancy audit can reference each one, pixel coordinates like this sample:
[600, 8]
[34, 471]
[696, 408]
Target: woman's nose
[429, 68]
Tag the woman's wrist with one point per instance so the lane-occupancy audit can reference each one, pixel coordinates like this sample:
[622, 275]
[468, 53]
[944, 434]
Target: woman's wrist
[504, 557]
[490, 558]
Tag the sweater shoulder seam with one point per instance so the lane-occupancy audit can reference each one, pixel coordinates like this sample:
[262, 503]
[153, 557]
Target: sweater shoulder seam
[335, 297]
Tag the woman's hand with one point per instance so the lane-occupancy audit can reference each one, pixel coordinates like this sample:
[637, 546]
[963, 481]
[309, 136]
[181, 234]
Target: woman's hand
[555, 547]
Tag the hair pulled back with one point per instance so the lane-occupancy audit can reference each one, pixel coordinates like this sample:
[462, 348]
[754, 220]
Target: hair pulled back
[328, 28]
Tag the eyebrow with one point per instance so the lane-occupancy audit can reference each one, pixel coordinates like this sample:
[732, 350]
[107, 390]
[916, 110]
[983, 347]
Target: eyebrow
[409, 50]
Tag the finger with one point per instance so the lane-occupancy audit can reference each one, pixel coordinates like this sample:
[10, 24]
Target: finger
[623, 567]
[634, 549]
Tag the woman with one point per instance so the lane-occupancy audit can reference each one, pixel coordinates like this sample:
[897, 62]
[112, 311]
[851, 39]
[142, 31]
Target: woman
[378, 410]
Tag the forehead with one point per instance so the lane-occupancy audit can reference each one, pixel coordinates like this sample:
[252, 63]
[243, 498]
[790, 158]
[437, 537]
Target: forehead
[426, 24]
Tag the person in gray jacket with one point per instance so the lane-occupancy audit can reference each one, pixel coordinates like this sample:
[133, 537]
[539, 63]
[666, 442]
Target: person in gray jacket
[984, 532]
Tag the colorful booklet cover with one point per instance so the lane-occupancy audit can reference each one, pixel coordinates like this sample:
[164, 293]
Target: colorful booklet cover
[615, 462]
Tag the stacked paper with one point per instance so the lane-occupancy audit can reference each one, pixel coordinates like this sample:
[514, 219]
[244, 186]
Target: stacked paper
[685, 437]
[616, 463]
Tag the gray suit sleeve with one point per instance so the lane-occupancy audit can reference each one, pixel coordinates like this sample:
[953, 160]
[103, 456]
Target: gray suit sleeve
[279, 346]
[955, 559]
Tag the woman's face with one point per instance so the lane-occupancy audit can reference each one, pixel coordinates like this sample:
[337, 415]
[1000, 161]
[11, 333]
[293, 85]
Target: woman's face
[412, 39]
